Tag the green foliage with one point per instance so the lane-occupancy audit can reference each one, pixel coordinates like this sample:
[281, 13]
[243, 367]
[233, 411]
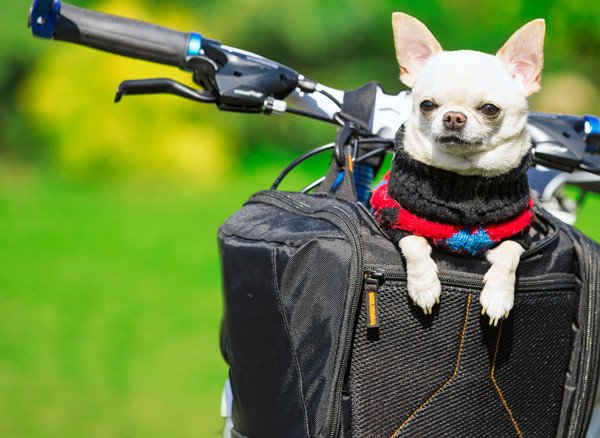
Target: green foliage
[111, 307]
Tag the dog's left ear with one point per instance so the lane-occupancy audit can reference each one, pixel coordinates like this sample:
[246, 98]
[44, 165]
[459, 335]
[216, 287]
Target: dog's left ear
[523, 55]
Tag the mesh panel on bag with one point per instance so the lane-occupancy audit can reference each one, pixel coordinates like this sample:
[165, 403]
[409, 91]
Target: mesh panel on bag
[452, 375]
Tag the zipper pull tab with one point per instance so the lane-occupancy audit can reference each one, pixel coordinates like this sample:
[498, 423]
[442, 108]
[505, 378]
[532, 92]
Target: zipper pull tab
[372, 282]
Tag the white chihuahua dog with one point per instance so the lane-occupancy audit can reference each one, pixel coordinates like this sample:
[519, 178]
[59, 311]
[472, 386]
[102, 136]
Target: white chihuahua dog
[466, 151]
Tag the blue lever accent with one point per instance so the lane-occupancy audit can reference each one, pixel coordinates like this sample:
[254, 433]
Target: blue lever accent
[43, 17]
[338, 180]
[591, 125]
[195, 44]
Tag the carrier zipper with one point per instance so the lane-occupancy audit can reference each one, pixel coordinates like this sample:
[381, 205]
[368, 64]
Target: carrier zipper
[580, 408]
[373, 280]
[475, 281]
[337, 390]
[448, 280]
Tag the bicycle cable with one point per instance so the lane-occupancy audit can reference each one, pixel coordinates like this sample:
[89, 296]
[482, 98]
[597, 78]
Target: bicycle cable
[329, 96]
[360, 159]
[299, 160]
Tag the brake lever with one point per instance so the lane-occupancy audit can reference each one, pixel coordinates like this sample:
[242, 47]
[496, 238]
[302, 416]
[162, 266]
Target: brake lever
[163, 86]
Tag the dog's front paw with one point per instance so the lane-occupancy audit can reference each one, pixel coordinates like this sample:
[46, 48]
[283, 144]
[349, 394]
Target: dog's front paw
[425, 289]
[421, 271]
[497, 296]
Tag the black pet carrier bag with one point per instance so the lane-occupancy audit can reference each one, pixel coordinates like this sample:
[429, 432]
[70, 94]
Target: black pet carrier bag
[323, 341]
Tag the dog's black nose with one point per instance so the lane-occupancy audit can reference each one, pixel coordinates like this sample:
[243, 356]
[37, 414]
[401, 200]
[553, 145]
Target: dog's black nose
[455, 120]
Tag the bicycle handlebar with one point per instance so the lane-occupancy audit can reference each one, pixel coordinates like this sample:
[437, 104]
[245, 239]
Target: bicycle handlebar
[234, 79]
[124, 36]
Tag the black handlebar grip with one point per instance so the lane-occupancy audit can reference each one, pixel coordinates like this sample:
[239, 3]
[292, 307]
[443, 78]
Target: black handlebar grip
[123, 36]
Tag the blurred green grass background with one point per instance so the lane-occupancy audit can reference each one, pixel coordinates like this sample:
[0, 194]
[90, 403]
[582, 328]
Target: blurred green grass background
[109, 278]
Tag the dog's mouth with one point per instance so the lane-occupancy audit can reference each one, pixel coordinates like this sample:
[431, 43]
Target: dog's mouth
[453, 140]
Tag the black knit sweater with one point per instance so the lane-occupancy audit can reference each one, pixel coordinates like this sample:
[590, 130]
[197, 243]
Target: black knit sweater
[446, 197]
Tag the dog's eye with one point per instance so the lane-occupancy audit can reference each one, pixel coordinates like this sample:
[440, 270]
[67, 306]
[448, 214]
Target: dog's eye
[489, 110]
[427, 105]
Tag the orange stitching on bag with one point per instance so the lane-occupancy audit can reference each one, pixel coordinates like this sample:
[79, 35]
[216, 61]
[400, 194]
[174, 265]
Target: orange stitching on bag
[454, 373]
[510, 414]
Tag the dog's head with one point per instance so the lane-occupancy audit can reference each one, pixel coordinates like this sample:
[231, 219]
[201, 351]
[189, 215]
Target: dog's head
[470, 108]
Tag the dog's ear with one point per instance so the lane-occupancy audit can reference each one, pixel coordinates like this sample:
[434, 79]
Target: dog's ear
[523, 55]
[414, 46]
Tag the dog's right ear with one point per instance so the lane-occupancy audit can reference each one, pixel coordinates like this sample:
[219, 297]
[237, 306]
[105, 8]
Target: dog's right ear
[414, 46]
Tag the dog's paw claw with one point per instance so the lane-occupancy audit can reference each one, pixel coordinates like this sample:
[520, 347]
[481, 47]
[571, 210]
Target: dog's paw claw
[494, 321]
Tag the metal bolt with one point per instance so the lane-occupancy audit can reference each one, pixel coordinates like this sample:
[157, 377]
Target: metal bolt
[41, 21]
